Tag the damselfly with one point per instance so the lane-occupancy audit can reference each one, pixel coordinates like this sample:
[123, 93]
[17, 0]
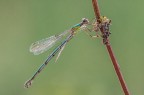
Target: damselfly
[45, 44]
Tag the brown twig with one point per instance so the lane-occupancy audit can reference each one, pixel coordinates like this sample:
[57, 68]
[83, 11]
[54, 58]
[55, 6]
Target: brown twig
[108, 46]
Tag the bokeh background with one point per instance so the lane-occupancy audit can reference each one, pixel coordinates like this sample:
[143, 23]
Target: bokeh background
[84, 68]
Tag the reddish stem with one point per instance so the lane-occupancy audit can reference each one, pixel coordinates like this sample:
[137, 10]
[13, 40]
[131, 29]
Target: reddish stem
[108, 46]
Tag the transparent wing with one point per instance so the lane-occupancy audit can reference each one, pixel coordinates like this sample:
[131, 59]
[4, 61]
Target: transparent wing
[45, 44]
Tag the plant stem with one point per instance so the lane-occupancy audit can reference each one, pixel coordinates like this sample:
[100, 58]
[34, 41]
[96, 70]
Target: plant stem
[111, 54]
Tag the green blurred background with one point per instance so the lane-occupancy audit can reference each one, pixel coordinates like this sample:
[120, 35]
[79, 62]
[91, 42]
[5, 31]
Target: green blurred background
[84, 68]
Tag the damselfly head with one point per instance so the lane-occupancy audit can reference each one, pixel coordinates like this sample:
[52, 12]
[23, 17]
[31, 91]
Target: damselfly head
[85, 21]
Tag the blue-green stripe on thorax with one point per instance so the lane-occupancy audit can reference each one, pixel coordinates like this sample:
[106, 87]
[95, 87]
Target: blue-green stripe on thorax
[76, 27]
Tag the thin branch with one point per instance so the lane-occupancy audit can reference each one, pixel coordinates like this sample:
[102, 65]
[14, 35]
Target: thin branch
[111, 54]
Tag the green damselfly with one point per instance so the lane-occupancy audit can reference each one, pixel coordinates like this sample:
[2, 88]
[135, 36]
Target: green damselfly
[45, 44]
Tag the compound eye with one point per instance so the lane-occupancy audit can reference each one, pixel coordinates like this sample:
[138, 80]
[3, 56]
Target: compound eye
[84, 20]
